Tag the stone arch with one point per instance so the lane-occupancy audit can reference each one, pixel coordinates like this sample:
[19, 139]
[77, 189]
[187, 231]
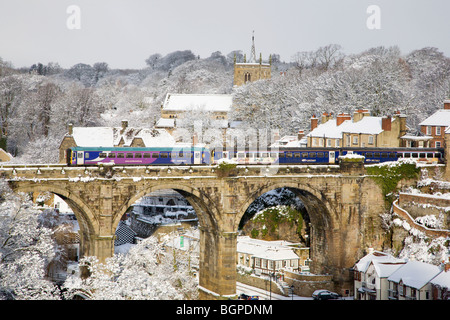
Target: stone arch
[87, 220]
[206, 211]
[322, 219]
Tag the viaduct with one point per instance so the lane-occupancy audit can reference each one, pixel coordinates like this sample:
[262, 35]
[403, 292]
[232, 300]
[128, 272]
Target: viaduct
[342, 201]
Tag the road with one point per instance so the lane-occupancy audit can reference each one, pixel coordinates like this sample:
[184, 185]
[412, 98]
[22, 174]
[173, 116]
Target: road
[263, 294]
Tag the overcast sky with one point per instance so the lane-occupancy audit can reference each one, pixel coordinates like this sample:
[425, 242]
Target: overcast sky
[124, 33]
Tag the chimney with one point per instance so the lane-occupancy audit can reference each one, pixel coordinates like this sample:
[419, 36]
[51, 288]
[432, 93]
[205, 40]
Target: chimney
[341, 118]
[359, 114]
[447, 104]
[447, 266]
[386, 123]
[325, 117]
[124, 126]
[314, 122]
[300, 134]
[70, 128]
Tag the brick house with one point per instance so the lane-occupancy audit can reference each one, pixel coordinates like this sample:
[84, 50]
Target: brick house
[435, 126]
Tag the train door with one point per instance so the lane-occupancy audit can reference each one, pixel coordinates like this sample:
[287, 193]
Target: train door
[80, 157]
[332, 158]
[197, 157]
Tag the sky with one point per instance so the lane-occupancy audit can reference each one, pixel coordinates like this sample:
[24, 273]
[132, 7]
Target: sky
[123, 33]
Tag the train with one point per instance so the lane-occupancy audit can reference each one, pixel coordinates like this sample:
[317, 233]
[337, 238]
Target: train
[90, 156]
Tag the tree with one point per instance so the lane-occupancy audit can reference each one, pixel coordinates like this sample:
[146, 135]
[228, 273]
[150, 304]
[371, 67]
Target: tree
[149, 271]
[26, 248]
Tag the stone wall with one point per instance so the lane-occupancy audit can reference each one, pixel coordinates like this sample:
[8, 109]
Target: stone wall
[306, 284]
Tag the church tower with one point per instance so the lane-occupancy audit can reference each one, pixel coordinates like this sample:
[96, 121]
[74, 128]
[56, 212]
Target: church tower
[251, 70]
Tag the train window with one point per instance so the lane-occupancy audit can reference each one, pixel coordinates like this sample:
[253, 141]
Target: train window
[155, 155]
[312, 154]
[111, 155]
[429, 155]
[265, 155]
[86, 155]
[289, 154]
[138, 155]
[281, 155]
[376, 155]
[392, 155]
[297, 154]
[147, 155]
[325, 154]
[414, 155]
[319, 154]
[399, 155]
[164, 155]
[273, 155]
[438, 155]
[369, 154]
[102, 155]
[422, 155]
[384, 155]
[120, 155]
[407, 155]
[304, 154]
[130, 155]
[241, 155]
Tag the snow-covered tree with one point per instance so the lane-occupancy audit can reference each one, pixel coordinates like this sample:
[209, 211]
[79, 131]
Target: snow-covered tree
[26, 249]
[149, 271]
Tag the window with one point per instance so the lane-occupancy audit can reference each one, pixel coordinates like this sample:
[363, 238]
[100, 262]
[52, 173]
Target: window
[314, 142]
[296, 154]
[348, 141]
[120, 155]
[355, 140]
[328, 143]
[437, 144]
[138, 155]
[428, 129]
[370, 139]
[164, 155]
[111, 155]
[438, 131]
[147, 155]
[289, 154]
[312, 155]
[304, 154]
[155, 155]
[337, 143]
[319, 154]
[130, 155]
[102, 155]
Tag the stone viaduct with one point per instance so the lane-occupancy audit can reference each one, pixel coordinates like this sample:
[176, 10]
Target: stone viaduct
[342, 201]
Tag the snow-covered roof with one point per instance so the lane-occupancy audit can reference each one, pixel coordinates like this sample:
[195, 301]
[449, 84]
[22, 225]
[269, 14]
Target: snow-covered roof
[270, 250]
[330, 129]
[110, 137]
[376, 257]
[415, 274]
[206, 102]
[442, 279]
[439, 118]
[165, 123]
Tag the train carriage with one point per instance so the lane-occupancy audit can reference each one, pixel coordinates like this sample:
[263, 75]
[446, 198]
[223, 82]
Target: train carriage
[137, 156]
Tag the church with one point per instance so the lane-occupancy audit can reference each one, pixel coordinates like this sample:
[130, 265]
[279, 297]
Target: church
[251, 70]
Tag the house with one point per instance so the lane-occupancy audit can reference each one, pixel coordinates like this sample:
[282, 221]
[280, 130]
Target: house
[371, 273]
[412, 281]
[440, 285]
[266, 257]
[363, 130]
[435, 126]
[123, 136]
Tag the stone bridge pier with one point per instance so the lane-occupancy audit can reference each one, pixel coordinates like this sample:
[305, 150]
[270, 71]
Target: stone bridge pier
[342, 202]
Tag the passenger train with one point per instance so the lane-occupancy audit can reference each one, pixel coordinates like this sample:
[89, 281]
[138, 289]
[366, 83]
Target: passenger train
[79, 156]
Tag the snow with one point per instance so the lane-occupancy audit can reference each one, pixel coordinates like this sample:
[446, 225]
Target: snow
[271, 250]
[377, 257]
[330, 129]
[415, 274]
[439, 118]
[206, 102]
[442, 279]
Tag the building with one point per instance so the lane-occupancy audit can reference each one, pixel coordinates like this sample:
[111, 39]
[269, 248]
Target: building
[123, 136]
[440, 285]
[412, 281]
[251, 70]
[361, 131]
[267, 257]
[176, 106]
[435, 126]
[371, 273]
